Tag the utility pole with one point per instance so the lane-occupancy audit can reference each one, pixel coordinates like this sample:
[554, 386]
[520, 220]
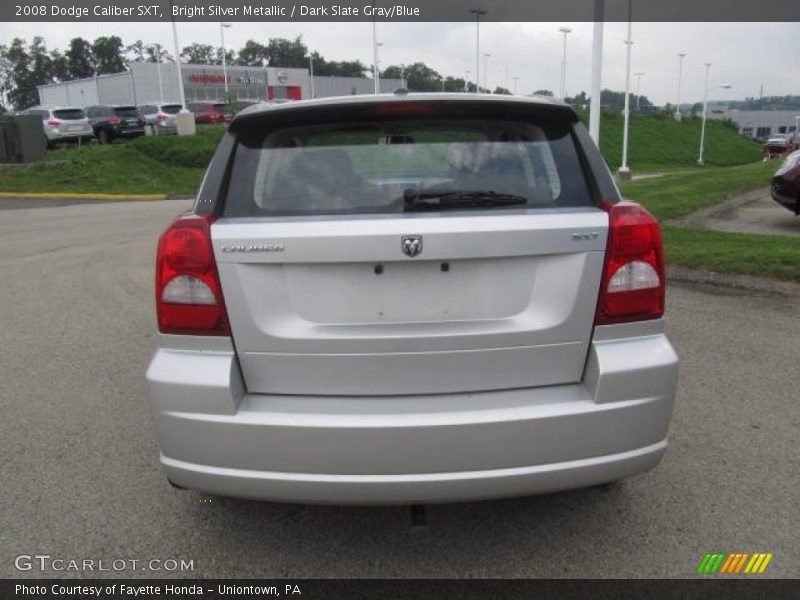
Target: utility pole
[624, 171]
[681, 56]
[597, 68]
[478, 14]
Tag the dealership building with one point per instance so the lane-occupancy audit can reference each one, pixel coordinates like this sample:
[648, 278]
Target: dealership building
[146, 83]
[759, 124]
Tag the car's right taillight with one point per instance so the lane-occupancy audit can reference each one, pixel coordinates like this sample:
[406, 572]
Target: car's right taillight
[633, 283]
[113, 120]
[161, 117]
[54, 123]
[188, 291]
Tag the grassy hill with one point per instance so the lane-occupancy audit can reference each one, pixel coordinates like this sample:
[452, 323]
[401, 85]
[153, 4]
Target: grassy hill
[658, 142]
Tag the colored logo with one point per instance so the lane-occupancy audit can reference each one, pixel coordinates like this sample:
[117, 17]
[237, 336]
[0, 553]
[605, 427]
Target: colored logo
[734, 563]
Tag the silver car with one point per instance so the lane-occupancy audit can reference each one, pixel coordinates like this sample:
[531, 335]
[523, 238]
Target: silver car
[160, 116]
[409, 299]
[63, 124]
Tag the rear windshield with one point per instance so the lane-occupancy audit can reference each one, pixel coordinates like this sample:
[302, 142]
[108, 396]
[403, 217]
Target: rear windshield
[69, 114]
[220, 107]
[171, 109]
[375, 167]
[126, 111]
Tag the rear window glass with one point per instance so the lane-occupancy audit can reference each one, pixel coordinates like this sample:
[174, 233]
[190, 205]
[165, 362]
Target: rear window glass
[171, 109]
[126, 111]
[147, 109]
[374, 167]
[69, 114]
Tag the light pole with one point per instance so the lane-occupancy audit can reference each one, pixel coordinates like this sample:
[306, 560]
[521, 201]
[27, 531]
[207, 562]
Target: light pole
[311, 73]
[515, 79]
[681, 56]
[797, 128]
[478, 14]
[597, 70]
[624, 171]
[565, 31]
[222, 28]
[725, 86]
[486, 56]
[466, 81]
[178, 69]
[638, 83]
[158, 73]
[375, 74]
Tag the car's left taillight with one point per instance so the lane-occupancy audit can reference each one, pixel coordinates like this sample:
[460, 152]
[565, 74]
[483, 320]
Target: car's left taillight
[188, 291]
[633, 285]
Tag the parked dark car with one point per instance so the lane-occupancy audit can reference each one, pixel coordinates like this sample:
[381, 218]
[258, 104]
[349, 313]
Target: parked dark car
[211, 113]
[112, 122]
[786, 183]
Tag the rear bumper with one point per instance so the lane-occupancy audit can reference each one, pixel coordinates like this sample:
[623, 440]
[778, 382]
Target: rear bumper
[217, 438]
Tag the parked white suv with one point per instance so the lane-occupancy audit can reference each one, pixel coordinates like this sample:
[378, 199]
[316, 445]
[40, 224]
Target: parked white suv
[409, 299]
[160, 117]
[63, 124]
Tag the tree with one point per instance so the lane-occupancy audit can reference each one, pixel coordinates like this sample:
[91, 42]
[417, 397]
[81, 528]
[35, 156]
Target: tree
[80, 59]
[501, 90]
[24, 67]
[345, 68]
[199, 54]
[59, 66]
[543, 93]
[108, 54]
[289, 54]
[253, 54]
[419, 77]
[230, 57]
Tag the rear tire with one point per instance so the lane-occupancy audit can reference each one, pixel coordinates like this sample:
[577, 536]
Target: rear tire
[103, 137]
[175, 485]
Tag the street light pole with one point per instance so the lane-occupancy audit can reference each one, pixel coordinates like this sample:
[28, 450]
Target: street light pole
[478, 14]
[486, 56]
[565, 31]
[375, 73]
[222, 28]
[466, 81]
[178, 69]
[681, 56]
[703, 127]
[515, 79]
[624, 171]
[638, 96]
[158, 73]
[311, 71]
[597, 68]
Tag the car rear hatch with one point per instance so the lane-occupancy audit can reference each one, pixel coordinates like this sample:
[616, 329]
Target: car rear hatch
[128, 118]
[72, 120]
[350, 267]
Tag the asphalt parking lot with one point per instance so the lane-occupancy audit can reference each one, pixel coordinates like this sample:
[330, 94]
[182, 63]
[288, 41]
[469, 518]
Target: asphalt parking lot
[80, 476]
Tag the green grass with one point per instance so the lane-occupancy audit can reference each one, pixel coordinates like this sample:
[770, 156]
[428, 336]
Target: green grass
[739, 253]
[679, 194]
[658, 142]
[192, 152]
[117, 169]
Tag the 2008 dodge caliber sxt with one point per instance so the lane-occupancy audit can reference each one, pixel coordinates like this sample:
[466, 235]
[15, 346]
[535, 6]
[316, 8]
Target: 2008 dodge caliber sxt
[409, 299]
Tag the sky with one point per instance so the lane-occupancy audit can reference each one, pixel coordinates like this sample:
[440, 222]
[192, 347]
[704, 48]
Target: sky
[745, 55]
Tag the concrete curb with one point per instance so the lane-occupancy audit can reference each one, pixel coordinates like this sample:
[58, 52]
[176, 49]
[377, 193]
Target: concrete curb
[80, 196]
[743, 283]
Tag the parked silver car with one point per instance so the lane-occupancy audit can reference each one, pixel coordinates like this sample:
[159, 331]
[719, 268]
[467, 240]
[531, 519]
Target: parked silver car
[63, 124]
[160, 116]
[409, 299]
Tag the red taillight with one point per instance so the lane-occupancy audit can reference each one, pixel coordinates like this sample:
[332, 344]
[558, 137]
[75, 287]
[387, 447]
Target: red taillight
[161, 117]
[188, 292]
[54, 123]
[113, 120]
[633, 278]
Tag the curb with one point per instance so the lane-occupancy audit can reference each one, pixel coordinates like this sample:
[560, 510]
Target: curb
[81, 196]
[751, 284]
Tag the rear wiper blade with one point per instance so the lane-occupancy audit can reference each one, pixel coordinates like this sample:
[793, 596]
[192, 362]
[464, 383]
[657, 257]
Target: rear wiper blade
[415, 199]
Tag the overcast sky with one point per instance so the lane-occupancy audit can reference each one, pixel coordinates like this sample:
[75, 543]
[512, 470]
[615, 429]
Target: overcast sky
[747, 55]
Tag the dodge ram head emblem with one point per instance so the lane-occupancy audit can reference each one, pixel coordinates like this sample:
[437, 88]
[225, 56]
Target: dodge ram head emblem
[411, 245]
